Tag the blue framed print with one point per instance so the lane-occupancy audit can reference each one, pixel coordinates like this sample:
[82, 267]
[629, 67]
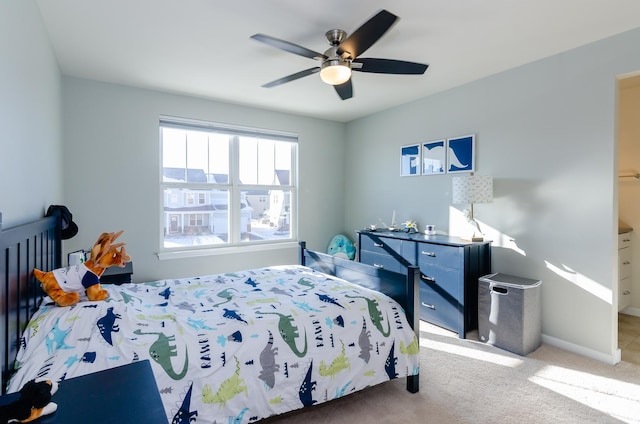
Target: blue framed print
[461, 154]
[434, 157]
[410, 160]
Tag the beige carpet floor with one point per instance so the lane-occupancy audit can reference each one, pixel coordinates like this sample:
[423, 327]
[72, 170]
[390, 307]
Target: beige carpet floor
[466, 381]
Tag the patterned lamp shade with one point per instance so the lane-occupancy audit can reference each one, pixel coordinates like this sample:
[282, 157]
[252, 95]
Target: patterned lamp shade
[472, 189]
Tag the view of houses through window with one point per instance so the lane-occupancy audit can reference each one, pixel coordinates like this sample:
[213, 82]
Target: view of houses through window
[226, 186]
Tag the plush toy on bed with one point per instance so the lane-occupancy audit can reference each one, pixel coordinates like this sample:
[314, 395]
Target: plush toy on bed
[64, 285]
[34, 401]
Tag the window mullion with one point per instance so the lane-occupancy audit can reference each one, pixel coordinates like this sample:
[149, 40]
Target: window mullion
[234, 192]
[186, 154]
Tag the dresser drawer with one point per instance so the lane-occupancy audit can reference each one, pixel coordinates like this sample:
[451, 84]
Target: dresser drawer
[624, 240]
[438, 309]
[624, 263]
[381, 260]
[446, 281]
[625, 287]
[381, 245]
[624, 293]
[445, 256]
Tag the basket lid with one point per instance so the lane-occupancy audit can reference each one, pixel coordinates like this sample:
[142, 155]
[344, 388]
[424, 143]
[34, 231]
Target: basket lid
[510, 280]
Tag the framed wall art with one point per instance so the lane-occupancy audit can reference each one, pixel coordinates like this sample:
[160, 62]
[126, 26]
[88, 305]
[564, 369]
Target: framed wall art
[434, 157]
[461, 154]
[410, 160]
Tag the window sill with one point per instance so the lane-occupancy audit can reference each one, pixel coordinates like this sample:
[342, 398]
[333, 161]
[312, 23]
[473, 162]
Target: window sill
[180, 254]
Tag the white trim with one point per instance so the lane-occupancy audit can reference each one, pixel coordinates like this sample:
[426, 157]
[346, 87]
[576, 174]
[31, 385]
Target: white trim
[583, 351]
[179, 122]
[179, 254]
[629, 310]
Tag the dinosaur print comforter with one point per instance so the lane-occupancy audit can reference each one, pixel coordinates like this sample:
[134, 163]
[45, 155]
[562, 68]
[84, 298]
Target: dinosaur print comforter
[236, 347]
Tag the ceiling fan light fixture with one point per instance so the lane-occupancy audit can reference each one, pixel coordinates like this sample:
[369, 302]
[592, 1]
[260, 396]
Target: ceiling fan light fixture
[335, 71]
[343, 55]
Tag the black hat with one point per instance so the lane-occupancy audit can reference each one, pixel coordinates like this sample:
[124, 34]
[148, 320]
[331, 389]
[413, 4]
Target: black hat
[68, 227]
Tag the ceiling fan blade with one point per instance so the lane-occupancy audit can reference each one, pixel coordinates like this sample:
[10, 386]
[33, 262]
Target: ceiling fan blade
[288, 47]
[389, 66]
[344, 90]
[365, 36]
[292, 77]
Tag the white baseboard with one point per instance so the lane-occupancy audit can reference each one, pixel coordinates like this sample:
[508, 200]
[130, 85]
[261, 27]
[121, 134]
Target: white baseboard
[583, 351]
[631, 311]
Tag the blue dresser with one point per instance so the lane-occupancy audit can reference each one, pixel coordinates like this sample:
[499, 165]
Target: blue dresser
[449, 268]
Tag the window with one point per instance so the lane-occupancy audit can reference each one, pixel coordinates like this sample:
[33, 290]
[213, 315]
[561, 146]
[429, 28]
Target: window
[225, 186]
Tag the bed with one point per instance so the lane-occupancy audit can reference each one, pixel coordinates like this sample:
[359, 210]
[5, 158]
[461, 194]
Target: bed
[233, 347]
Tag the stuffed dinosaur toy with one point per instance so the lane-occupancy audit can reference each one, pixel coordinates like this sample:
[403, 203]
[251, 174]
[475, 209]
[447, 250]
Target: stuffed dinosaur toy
[33, 402]
[64, 285]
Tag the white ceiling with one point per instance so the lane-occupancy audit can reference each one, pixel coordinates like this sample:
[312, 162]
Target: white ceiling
[202, 47]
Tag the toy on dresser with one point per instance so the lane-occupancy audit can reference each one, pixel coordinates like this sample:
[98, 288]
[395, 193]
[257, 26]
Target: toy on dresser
[64, 285]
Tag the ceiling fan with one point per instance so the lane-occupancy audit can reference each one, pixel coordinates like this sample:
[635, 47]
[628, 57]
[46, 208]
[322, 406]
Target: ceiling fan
[337, 62]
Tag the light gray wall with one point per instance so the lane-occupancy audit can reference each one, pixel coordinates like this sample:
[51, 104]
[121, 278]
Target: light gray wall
[112, 157]
[30, 116]
[546, 133]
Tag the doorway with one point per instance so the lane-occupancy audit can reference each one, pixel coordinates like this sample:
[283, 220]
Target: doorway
[628, 128]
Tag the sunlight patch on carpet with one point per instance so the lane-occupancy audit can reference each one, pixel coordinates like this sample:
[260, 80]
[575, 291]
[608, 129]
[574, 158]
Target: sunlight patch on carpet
[476, 354]
[615, 398]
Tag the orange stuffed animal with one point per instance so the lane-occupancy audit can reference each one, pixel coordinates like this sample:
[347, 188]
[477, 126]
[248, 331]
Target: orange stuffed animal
[64, 285]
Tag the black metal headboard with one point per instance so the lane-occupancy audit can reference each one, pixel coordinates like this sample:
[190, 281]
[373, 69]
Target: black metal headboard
[33, 245]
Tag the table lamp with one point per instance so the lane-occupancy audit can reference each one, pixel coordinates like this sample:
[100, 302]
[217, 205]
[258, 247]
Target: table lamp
[472, 189]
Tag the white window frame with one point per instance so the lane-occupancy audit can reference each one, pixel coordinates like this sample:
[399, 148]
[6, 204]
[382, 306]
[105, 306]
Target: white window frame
[234, 186]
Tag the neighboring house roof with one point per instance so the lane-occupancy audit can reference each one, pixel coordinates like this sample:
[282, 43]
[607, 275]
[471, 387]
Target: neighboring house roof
[199, 176]
[282, 176]
[220, 178]
[178, 174]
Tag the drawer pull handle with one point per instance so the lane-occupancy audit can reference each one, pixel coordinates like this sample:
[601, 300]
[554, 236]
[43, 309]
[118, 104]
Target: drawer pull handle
[430, 279]
[432, 254]
[378, 244]
[627, 292]
[626, 240]
[626, 263]
[428, 306]
[378, 266]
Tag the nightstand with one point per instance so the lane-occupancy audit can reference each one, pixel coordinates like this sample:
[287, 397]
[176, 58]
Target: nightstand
[125, 394]
[117, 275]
